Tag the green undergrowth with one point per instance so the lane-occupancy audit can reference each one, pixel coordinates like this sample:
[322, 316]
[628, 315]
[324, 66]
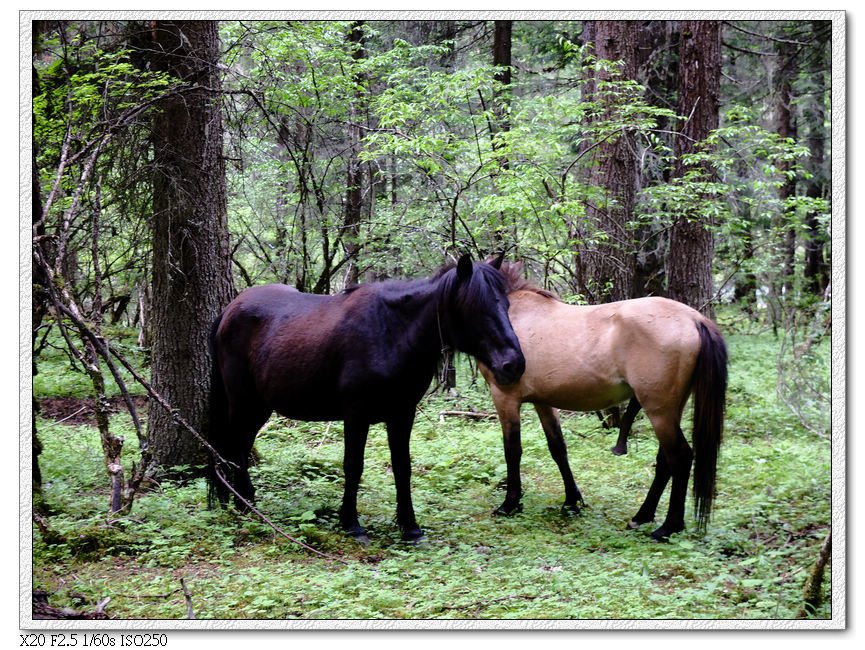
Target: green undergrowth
[771, 516]
[60, 375]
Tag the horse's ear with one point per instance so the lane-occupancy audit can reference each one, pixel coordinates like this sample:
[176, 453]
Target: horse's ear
[464, 268]
[497, 262]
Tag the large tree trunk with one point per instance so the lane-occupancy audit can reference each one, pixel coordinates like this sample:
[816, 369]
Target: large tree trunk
[502, 45]
[689, 270]
[502, 42]
[191, 257]
[785, 125]
[816, 270]
[609, 261]
[658, 71]
[355, 175]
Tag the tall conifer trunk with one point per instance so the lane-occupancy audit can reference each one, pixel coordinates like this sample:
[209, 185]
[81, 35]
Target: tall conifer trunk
[609, 262]
[816, 270]
[355, 175]
[689, 270]
[191, 256]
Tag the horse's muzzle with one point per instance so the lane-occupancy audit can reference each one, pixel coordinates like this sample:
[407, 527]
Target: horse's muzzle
[510, 370]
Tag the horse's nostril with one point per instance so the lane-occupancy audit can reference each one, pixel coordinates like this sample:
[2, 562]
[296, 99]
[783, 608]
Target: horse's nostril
[514, 368]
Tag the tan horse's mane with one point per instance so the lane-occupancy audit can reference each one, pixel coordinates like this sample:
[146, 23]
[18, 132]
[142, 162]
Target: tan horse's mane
[514, 281]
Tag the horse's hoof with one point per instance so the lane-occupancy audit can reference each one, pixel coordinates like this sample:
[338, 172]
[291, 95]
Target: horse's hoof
[571, 509]
[506, 510]
[634, 525]
[619, 451]
[663, 533]
[414, 535]
[358, 533]
[243, 507]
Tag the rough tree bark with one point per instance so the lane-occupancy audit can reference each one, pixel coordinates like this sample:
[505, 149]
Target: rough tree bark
[191, 256]
[355, 175]
[813, 597]
[816, 270]
[502, 46]
[785, 125]
[609, 261]
[658, 71]
[689, 270]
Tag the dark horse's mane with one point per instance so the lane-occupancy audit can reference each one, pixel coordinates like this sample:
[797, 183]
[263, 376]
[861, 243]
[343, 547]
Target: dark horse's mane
[511, 280]
[514, 281]
[475, 287]
[398, 282]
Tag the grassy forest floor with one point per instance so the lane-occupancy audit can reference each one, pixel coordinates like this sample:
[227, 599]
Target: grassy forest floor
[771, 516]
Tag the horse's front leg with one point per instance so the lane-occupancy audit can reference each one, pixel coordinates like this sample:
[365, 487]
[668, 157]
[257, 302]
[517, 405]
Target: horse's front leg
[559, 451]
[355, 444]
[398, 437]
[509, 416]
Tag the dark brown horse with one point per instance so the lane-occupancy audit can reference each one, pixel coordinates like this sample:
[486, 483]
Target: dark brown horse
[364, 356]
[653, 351]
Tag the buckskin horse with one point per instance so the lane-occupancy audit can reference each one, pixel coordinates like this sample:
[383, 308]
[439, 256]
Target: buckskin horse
[363, 356]
[654, 351]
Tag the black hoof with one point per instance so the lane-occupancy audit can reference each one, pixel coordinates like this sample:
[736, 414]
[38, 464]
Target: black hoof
[506, 509]
[619, 451]
[663, 533]
[571, 509]
[414, 535]
[358, 533]
[243, 506]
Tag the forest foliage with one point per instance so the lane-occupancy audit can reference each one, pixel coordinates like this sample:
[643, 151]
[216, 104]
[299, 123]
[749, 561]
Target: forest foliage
[441, 172]
[360, 151]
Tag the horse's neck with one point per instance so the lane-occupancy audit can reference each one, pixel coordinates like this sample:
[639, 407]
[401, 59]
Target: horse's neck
[415, 307]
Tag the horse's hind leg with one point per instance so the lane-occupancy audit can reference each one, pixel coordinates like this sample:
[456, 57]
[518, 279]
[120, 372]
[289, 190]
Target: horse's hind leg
[621, 447]
[559, 451]
[245, 425]
[355, 444]
[679, 457]
[673, 461]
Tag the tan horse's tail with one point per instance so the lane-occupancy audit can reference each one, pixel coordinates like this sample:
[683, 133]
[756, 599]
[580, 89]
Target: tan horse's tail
[710, 389]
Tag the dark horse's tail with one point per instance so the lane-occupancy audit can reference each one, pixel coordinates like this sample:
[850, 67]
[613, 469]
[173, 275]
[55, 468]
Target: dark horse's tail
[710, 389]
[217, 434]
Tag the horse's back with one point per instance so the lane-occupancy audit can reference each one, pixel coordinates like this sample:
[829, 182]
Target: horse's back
[278, 344]
[661, 323]
[276, 320]
[585, 358]
[268, 301]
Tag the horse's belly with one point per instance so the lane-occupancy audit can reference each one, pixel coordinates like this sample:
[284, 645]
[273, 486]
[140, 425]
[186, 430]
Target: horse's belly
[572, 396]
[309, 408]
[371, 401]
